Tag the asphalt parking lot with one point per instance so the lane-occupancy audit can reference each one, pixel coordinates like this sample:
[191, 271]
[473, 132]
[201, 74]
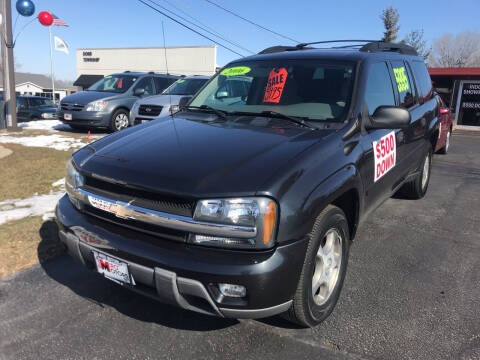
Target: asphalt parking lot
[412, 291]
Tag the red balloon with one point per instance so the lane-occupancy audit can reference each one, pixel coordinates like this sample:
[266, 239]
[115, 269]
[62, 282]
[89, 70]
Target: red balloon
[45, 18]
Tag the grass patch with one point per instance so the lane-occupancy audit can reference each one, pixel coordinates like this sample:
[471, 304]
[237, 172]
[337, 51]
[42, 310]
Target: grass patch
[30, 170]
[25, 242]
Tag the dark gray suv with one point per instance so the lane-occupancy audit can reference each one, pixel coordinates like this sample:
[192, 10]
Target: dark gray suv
[107, 103]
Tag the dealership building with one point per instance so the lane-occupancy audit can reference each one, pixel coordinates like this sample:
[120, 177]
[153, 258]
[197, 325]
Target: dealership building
[93, 64]
[460, 90]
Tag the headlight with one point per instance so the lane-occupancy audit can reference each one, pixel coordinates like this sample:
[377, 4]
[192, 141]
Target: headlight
[258, 213]
[174, 109]
[98, 105]
[73, 181]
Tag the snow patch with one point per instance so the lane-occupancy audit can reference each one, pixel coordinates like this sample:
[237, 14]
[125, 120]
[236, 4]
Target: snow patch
[59, 182]
[54, 125]
[54, 141]
[41, 205]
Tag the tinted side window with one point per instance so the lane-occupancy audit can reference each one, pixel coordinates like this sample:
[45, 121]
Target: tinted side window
[162, 83]
[21, 102]
[422, 77]
[379, 90]
[404, 84]
[145, 83]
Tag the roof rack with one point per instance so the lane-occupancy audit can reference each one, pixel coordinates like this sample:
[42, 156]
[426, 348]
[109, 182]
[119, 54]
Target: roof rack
[127, 71]
[363, 45]
[387, 46]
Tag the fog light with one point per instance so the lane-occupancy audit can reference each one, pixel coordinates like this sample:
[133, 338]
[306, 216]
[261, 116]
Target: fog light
[232, 290]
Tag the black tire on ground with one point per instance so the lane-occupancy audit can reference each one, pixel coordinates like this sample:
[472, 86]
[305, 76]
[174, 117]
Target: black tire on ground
[305, 310]
[417, 188]
[444, 150]
[114, 121]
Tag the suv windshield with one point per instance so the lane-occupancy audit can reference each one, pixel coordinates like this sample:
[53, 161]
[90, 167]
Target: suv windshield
[185, 87]
[310, 89]
[41, 102]
[114, 83]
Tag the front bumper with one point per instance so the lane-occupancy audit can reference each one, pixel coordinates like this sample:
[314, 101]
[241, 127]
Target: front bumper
[187, 275]
[85, 118]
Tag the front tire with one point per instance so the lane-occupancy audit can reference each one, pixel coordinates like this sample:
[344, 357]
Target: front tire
[119, 120]
[323, 270]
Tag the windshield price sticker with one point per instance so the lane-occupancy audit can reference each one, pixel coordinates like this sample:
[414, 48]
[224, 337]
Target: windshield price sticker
[401, 79]
[385, 152]
[180, 81]
[275, 84]
[237, 70]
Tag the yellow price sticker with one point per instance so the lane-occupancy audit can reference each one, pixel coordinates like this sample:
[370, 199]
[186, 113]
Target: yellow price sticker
[237, 70]
[401, 79]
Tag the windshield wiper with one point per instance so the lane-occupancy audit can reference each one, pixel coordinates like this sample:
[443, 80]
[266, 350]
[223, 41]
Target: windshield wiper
[296, 119]
[219, 113]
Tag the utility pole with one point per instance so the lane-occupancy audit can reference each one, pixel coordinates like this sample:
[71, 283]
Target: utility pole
[9, 96]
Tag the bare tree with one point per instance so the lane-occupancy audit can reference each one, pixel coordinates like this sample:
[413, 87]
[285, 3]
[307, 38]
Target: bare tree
[415, 39]
[390, 17]
[461, 50]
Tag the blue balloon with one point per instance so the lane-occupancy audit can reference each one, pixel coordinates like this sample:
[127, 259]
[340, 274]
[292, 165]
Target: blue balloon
[25, 7]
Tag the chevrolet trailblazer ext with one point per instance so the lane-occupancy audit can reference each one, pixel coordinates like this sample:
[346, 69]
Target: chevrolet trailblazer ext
[244, 204]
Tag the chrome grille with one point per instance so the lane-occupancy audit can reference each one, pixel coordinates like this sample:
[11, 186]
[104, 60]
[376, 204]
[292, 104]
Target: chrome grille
[71, 107]
[150, 110]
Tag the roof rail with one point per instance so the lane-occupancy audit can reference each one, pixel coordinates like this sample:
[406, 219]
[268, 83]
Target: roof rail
[302, 45]
[387, 46]
[278, 48]
[362, 45]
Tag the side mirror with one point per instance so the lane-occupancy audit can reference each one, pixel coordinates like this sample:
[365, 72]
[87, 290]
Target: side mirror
[138, 91]
[389, 117]
[183, 102]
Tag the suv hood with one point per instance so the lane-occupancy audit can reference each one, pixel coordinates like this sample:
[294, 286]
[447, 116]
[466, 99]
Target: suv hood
[194, 159]
[84, 97]
[48, 109]
[161, 100]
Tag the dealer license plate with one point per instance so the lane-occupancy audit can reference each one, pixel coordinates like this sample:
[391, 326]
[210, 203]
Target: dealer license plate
[111, 268]
[67, 116]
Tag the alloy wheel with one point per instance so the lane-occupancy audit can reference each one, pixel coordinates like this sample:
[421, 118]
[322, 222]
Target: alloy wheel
[426, 171]
[121, 121]
[327, 266]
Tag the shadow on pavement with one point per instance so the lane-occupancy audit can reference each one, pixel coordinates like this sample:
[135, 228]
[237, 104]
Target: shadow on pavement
[92, 287]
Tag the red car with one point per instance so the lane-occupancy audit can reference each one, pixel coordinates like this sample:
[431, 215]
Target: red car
[445, 133]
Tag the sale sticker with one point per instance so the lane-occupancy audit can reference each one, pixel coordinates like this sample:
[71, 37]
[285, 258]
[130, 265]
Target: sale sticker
[385, 152]
[401, 79]
[275, 84]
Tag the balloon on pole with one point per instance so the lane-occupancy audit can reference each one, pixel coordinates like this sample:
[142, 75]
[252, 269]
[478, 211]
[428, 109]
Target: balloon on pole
[25, 7]
[45, 18]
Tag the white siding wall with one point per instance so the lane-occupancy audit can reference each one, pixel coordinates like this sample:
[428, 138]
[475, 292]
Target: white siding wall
[32, 89]
[194, 60]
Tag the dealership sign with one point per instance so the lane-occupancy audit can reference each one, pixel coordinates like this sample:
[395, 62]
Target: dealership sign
[87, 57]
[385, 152]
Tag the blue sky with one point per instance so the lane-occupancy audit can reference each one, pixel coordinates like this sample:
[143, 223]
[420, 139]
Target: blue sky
[128, 23]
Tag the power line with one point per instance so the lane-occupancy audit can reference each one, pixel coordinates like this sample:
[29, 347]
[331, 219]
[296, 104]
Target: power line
[251, 22]
[189, 28]
[215, 32]
[204, 29]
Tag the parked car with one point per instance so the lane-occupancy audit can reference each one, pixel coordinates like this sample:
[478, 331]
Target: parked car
[246, 206]
[166, 103]
[35, 108]
[446, 128]
[107, 103]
